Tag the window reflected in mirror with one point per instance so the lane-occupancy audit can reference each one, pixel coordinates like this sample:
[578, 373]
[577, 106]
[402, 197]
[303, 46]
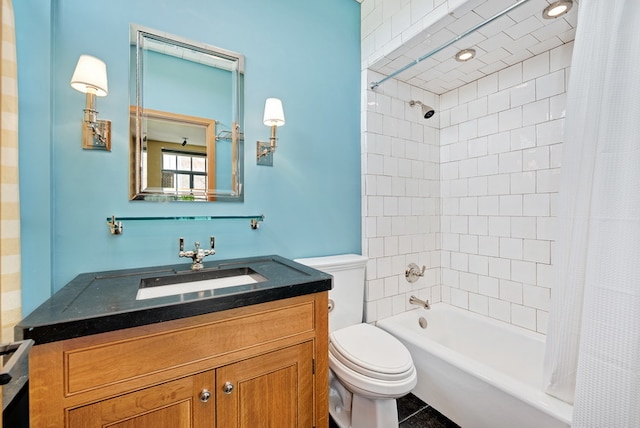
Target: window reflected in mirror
[183, 171]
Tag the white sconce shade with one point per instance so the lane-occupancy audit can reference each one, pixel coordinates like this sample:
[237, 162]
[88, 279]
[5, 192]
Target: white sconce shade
[273, 112]
[273, 117]
[90, 76]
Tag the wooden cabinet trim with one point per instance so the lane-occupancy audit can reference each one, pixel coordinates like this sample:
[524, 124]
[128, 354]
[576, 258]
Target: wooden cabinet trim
[178, 399]
[182, 323]
[93, 367]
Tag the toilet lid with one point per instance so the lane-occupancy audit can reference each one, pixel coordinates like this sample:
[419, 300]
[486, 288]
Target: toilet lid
[371, 351]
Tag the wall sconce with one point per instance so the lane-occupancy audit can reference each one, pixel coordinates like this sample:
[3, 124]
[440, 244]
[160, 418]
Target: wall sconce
[90, 77]
[273, 117]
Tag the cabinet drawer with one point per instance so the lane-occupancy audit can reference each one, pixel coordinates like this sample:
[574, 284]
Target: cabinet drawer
[100, 365]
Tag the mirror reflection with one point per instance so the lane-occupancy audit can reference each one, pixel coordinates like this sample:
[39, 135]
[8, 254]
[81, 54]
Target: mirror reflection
[185, 121]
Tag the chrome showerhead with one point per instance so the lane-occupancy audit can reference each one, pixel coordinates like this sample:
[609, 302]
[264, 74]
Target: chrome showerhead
[427, 111]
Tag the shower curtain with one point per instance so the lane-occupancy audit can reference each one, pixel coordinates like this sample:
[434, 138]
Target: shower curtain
[10, 302]
[593, 342]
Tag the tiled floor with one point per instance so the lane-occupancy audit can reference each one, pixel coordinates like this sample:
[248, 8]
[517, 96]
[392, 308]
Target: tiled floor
[414, 413]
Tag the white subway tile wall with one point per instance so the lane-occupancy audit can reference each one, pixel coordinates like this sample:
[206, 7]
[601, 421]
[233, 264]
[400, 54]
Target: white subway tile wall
[501, 193]
[386, 25]
[401, 198]
[469, 193]
[472, 192]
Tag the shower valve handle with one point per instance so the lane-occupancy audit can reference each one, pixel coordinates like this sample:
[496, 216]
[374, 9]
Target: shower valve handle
[413, 272]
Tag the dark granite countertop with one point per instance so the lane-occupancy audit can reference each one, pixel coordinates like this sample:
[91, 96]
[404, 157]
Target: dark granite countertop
[105, 301]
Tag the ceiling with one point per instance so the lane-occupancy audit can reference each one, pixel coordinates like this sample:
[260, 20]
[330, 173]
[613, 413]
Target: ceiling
[172, 131]
[512, 38]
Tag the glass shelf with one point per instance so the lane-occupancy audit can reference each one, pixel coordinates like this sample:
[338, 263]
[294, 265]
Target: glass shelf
[116, 227]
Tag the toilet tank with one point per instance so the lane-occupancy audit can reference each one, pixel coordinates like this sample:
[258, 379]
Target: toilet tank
[347, 293]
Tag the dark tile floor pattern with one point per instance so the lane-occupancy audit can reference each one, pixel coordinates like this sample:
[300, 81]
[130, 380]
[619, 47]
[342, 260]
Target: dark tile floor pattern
[414, 413]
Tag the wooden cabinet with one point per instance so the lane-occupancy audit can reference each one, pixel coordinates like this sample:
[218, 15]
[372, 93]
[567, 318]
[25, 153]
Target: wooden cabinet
[172, 404]
[272, 390]
[259, 366]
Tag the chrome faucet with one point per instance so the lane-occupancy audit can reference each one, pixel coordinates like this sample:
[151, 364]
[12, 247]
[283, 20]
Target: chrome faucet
[198, 254]
[415, 301]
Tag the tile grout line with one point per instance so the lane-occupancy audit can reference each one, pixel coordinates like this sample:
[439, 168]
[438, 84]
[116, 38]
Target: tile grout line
[413, 414]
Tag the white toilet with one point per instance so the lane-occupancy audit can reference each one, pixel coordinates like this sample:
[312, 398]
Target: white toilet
[369, 368]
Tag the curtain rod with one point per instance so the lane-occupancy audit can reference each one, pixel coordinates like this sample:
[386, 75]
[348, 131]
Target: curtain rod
[374, 85]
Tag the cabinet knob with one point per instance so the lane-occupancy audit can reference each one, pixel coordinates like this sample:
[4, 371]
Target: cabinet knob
[227, 388]
[205, 395]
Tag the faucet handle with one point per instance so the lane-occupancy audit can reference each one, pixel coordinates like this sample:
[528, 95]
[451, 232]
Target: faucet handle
[181, 243]
[212, 242]
[413, 272]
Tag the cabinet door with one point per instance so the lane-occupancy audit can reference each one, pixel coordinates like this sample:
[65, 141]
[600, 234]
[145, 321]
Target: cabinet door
[271, 390]
[177, 404]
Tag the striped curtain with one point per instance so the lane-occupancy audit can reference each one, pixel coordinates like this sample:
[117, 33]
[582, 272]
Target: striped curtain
[10, 302]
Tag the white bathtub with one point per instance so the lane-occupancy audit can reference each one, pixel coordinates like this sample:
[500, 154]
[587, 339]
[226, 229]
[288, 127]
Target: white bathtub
[477, 371]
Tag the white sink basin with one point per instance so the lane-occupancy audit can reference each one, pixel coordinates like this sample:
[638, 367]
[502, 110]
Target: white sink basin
[151, 288]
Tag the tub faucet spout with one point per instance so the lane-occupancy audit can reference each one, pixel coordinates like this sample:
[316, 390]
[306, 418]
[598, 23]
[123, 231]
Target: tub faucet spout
[415, 301]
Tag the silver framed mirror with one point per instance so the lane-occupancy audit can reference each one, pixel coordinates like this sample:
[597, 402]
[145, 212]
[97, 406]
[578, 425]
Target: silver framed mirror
[186, 119]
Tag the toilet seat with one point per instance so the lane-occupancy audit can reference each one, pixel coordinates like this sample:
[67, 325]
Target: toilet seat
[371, 351]
[371, 361]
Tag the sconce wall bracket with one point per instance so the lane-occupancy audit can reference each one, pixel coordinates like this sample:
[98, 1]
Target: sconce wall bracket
[264, 153]
[264, 150]
[96, 134]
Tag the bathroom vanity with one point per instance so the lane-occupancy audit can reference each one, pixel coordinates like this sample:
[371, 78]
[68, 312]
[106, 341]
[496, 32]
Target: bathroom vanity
[242, 355]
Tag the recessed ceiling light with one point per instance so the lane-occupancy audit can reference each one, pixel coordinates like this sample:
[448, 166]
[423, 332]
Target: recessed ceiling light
[557, 9]
[465, 55]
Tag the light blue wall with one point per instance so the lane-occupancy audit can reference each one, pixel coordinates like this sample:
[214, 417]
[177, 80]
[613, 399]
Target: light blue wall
[165, 89]
[305, 52]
